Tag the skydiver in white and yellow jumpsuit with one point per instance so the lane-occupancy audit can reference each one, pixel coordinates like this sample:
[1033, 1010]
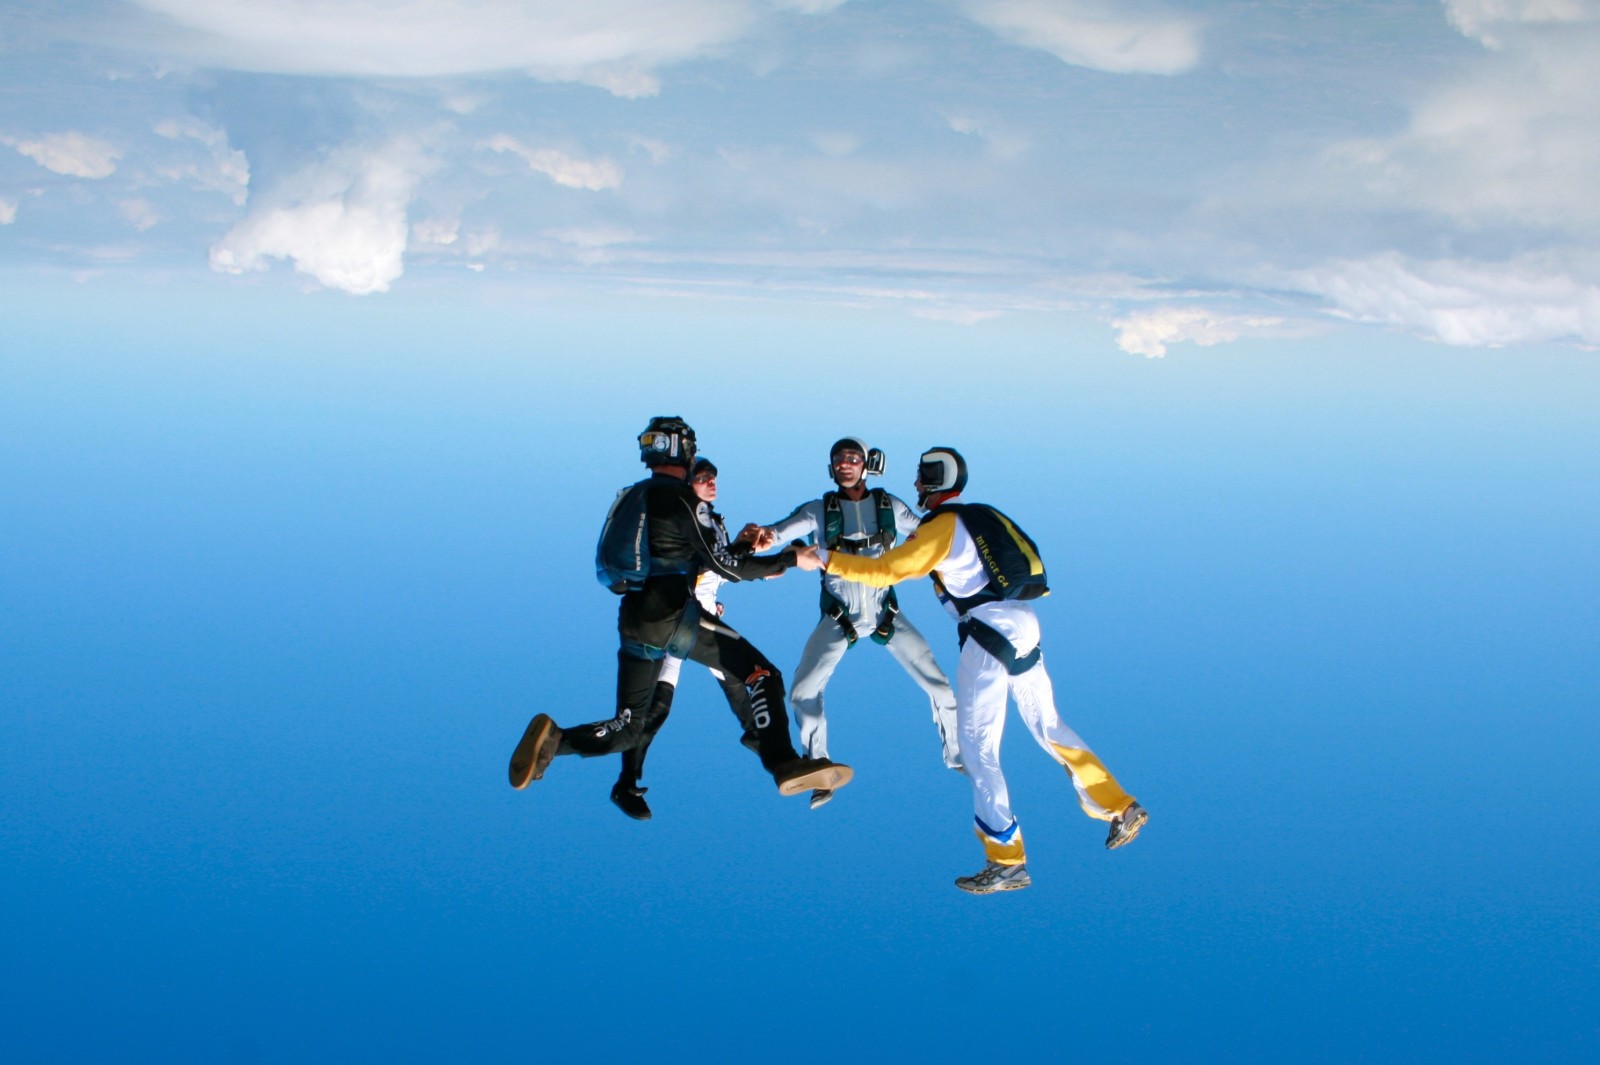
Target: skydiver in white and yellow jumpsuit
[999, 655]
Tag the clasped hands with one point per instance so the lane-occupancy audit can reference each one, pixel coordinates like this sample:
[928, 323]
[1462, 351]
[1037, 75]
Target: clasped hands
[762, 537]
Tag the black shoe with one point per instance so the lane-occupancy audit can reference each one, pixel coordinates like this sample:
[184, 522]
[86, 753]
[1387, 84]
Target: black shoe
[534, 751]
[630, 800]
[811, 774]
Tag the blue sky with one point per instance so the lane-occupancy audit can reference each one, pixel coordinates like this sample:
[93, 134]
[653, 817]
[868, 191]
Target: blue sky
[322, 349]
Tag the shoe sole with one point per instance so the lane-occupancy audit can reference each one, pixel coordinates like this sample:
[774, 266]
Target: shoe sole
[827, 778]
[645, 816]
[1004, 885]
[534, 752]
[1130, 830]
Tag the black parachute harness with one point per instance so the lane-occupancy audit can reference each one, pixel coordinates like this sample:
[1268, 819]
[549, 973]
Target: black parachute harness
[997, 645]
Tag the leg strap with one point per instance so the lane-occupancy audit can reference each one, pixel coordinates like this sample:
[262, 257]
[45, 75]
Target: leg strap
[997, 645]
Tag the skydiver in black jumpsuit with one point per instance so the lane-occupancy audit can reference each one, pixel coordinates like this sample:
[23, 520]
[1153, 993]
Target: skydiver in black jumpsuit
[665, 614]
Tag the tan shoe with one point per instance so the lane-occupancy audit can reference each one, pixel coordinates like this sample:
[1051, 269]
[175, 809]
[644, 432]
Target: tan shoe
[534, 751]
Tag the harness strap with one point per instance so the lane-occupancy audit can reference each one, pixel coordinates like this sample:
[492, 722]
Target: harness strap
[833, 608]
[997, 645]
[885, 629]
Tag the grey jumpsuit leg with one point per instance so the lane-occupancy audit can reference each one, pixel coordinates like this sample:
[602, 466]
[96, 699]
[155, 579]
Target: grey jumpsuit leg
[827, 645]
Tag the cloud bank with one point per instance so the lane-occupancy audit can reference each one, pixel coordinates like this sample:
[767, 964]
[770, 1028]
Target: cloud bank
[1531, 299]
[614, 44]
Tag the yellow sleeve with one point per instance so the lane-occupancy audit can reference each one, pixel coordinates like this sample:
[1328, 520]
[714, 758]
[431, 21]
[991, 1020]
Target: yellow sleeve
[915, 558]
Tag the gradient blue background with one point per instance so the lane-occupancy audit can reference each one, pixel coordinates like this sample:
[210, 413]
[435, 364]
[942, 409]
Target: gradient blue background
[283, 577]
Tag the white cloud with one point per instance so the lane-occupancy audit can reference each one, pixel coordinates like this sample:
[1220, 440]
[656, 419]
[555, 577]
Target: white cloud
[141, 214]
[483, 241]
[558, 166]
[1530, 299]
[8, 211]
[1512, 141]
[441, 232]
[658, 151]
[225, 170]
[1479, 19]
[1005, 144]
[1149, 332]
[1119, 37]
[613, 44]
[70, 153]
[342, 221]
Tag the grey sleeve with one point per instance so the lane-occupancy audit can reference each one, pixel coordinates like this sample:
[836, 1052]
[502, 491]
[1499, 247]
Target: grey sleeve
[805, 521]
[906, 520]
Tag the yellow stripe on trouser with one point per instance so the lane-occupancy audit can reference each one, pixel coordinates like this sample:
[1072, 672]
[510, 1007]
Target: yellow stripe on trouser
[1095, 780]
[1009, 853]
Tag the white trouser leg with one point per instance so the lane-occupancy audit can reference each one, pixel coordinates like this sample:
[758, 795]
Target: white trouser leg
[981, 686]
[824, 648]
[911, 650]
[1098, 791]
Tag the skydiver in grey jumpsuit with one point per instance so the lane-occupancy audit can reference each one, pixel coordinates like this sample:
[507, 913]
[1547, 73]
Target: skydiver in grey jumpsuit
[852, 610]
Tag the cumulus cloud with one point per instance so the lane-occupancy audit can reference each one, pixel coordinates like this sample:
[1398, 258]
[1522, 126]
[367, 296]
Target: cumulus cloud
[342, 221]
[1484, 20]
[613, 44]
[558, 166]
[8, 211]
[70, 153]
[1529, 299]
[1149, 332]
[1118, 37]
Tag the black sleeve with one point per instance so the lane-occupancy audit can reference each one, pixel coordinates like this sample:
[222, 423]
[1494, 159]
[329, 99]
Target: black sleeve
[713, 552]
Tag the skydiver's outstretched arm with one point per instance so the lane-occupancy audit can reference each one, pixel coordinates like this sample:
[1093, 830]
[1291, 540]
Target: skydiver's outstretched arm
[714, 553]
[917, 557]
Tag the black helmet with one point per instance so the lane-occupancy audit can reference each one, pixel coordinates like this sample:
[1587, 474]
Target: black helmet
[872, 457]
[702, 466]
[667, 441]
[940, 469]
